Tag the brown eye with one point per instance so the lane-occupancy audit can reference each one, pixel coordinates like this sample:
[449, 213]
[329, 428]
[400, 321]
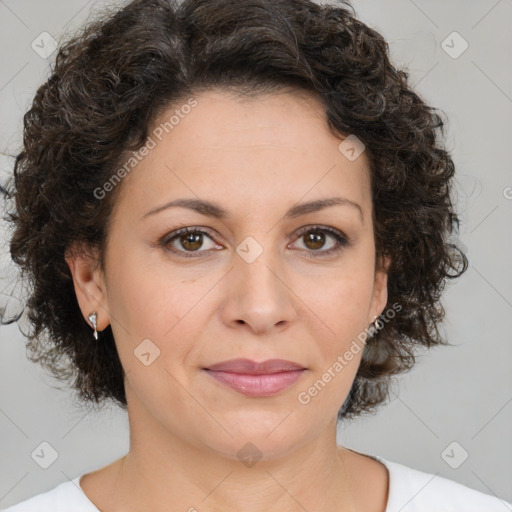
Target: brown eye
[191, 241]
[315, 239]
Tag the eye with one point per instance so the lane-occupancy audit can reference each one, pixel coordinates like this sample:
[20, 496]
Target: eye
[187, 241]
[315, 237]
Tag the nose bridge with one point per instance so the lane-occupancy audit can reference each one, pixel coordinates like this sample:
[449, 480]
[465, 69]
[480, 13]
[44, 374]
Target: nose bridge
[259, 296]
[254, 263]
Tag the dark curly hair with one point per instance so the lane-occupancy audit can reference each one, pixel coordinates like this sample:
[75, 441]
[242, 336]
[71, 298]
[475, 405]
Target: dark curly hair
[111, 81]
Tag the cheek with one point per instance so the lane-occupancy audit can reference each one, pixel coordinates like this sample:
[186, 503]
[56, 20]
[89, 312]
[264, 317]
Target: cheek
[142, 305]
[351, 301]
[338, 348]
[344, 300]
[343, 306]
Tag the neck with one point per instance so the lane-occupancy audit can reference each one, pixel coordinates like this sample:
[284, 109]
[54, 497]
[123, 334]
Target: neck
[165, 471]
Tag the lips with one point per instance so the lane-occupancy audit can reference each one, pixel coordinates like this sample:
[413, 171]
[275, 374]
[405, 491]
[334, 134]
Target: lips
[256, 379]
[248, 367]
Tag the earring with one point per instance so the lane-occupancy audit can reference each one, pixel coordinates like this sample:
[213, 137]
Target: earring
[93, 318]
[373, 328]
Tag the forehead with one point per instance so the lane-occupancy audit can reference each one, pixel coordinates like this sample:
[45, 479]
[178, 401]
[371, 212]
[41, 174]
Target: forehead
[256, 151]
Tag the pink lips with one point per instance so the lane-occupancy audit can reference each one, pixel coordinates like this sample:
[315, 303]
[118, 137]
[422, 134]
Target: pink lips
[256, 379]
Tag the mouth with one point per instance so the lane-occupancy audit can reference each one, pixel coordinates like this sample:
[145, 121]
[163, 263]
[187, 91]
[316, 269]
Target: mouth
[256, 379]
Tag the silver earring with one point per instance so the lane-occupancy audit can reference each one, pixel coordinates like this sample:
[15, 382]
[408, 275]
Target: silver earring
[93, 319]
[377, 324]
[374, 327]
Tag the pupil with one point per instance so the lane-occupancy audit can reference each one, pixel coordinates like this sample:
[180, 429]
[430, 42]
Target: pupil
[191, 241]
[317, 239]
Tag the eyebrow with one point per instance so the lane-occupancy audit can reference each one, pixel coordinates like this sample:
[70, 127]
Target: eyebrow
[210, 209]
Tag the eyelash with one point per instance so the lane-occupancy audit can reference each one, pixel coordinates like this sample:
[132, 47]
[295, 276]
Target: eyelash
[340, 238]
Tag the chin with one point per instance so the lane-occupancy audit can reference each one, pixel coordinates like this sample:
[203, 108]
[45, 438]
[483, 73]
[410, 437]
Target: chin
[263, 440]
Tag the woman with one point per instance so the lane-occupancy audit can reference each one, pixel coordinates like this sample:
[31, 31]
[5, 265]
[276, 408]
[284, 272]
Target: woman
[235, 216]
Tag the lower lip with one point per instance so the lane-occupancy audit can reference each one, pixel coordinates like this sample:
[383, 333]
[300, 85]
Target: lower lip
[257, 385]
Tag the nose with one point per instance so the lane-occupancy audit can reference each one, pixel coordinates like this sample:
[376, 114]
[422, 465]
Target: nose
[257, 295]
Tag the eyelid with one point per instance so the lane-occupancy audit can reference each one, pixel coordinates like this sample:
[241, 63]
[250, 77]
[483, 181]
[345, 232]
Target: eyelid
[166, 240]
[341, 239]
[320, 227]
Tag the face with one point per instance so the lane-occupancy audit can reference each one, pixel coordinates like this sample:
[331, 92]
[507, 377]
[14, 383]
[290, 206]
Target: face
[268, 279]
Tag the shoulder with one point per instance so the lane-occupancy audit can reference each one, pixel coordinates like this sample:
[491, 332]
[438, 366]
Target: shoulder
[411, 490]
[58, 499]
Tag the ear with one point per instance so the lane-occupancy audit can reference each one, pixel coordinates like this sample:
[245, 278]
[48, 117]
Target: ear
[89, 283]
[380, 289]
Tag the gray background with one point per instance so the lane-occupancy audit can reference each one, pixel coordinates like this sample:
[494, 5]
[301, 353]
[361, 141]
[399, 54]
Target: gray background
[460, 394]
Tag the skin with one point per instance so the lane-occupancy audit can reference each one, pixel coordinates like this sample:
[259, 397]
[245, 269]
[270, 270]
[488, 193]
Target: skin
[256, 158]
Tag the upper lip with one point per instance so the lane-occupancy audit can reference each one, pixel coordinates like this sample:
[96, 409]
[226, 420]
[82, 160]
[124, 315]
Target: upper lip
[248, 367]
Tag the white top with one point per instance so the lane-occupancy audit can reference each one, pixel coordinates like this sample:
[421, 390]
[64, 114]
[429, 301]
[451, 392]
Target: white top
[410, 490]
